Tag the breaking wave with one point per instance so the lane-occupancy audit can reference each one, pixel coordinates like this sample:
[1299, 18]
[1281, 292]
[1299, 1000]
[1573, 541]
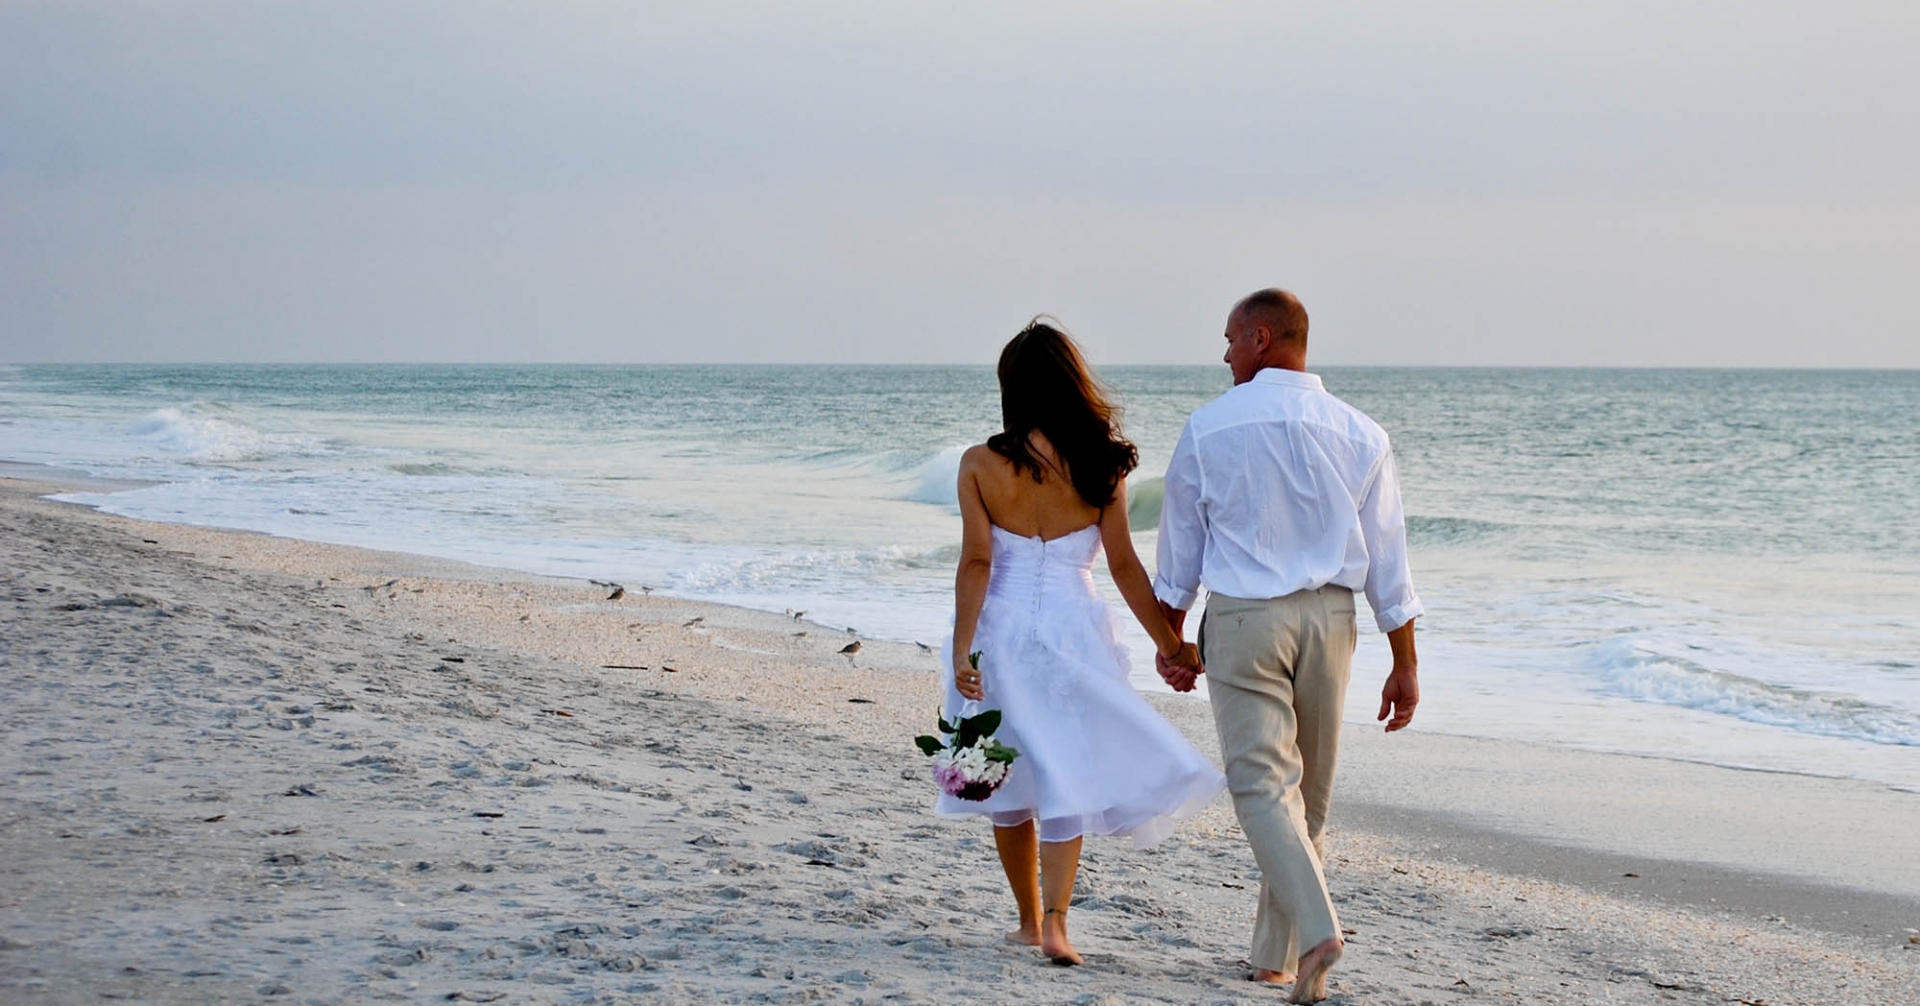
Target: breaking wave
[1633, 670]
[210, 432]
[937, 479]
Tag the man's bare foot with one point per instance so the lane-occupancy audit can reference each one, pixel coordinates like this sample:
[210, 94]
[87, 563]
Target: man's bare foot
[1311, 987]
[1026, 935]
[1271, 977]
[1053, 939]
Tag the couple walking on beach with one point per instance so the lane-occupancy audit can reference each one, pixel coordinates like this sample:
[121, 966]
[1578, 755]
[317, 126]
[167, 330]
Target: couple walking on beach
[1282, 501]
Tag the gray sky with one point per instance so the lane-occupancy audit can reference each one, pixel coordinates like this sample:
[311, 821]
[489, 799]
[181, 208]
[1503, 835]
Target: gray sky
[1619, 183]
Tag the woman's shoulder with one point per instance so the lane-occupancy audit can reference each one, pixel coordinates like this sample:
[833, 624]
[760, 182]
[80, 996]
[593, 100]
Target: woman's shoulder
[981, 457]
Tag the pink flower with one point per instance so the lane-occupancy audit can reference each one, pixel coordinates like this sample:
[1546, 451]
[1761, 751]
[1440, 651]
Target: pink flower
[950, 779]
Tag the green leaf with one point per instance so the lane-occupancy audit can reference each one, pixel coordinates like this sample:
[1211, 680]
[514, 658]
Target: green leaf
[974, 658]
[945, 727]
[985, 723]
[1001, 753]
[965, 734]
[928, 745]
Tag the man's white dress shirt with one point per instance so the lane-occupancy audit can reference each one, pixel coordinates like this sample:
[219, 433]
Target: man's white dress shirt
[1278, 487]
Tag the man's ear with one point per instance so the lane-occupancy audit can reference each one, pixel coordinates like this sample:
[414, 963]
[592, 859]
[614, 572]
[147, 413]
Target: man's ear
[1262, 340]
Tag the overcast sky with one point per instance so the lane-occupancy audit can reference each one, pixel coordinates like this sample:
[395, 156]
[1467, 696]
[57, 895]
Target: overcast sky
[1620, 183]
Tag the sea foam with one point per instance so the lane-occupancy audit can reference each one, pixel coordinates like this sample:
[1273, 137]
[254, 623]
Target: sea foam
[1636, 670]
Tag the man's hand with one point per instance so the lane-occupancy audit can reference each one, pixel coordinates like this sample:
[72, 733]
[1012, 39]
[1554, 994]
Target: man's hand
[1399, 697]
[1181, 670]
[1402, 691]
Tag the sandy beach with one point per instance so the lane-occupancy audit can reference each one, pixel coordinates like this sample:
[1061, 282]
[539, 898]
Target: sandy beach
[236, 768]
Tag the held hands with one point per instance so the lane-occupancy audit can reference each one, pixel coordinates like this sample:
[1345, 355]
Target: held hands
[1181, 669]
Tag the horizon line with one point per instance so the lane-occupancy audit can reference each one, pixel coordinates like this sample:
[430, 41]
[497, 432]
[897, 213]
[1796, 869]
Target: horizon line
[1891, 368]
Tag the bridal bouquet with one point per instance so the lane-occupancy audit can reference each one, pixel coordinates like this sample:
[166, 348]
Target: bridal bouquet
[971, 764]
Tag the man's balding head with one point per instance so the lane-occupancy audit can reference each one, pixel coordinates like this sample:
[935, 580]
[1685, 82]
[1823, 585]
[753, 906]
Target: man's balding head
[1281, 312]
[1266, 329]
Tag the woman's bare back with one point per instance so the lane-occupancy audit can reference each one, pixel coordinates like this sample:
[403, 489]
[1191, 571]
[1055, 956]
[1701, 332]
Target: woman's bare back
[1049, 508]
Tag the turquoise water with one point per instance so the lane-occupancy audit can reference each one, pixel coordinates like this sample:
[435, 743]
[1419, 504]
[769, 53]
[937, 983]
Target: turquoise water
[1717, 565]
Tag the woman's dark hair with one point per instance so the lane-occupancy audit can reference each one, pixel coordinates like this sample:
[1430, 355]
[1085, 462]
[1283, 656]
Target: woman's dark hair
[1045, 385]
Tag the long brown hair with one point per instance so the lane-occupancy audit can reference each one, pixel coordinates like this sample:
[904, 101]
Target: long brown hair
[1045, 385]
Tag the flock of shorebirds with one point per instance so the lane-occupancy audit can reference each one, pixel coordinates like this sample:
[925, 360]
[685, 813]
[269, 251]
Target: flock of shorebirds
[619, 591]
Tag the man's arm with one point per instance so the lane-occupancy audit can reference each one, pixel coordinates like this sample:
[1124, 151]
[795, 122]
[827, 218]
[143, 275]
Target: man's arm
[1183, 528]
[1383, 525]
[1182, 546]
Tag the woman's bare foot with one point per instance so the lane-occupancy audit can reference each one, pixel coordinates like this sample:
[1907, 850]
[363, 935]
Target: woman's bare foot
[1271, 977]
[1311, 987]
[1053, 939]
[1028, 935]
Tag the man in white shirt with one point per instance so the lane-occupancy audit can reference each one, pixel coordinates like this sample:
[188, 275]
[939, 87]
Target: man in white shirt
[1282, 501]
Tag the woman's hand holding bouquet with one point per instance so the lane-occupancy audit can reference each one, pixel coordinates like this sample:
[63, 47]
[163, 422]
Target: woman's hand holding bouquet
[970, 764]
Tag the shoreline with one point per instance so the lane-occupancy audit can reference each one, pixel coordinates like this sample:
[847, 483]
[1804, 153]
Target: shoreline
[59, 480]
[742, 750]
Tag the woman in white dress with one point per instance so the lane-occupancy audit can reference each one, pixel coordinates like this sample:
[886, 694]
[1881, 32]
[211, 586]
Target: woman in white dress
[1037, 502]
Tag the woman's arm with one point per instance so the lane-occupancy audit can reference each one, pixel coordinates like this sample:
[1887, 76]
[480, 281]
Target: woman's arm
[1131, 576]
[976, 565]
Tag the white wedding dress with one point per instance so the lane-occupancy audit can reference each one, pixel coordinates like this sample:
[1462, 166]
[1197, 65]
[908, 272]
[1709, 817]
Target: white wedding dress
[1095, 758]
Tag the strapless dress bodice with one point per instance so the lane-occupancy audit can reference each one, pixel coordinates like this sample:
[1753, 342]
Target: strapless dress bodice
[1029, 571]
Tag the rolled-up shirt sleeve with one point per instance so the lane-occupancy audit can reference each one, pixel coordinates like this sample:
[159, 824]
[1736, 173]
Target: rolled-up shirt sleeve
[1383, 525]
[1183, 528]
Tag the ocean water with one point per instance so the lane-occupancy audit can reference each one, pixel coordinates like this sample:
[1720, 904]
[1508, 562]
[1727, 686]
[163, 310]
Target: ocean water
[1720, 566]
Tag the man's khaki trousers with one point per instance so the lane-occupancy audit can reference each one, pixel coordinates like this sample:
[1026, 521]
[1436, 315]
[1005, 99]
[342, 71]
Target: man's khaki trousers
[1277, 674]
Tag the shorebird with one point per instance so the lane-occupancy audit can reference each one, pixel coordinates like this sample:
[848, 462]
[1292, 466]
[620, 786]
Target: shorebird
[851, 648]
[618, 593]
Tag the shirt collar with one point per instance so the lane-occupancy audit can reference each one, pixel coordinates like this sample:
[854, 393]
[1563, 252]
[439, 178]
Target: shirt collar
[1288, 378]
